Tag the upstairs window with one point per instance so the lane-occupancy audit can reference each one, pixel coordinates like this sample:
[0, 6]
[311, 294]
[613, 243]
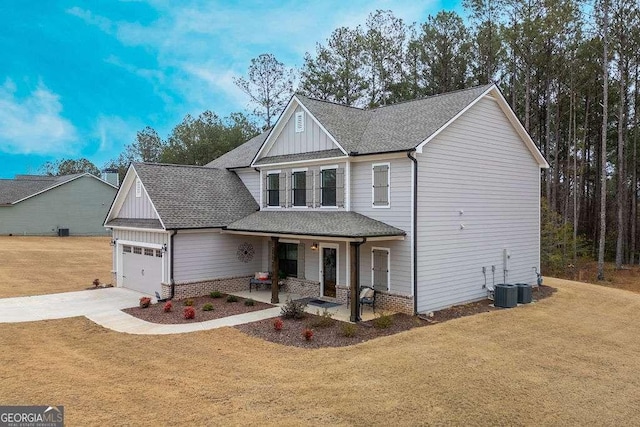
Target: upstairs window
[381, 185]
[328, 187]
[298, 188]
[273, 189]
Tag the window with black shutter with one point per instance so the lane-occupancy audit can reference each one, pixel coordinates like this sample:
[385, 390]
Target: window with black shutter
[298, 188]
[273, 189]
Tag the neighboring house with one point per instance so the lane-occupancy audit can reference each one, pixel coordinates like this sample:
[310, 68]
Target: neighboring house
[44, 205]
[428, 201]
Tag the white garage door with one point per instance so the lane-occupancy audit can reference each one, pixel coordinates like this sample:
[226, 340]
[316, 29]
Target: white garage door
[142, 269]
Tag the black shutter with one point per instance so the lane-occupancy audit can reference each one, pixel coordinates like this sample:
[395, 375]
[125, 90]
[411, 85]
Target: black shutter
[340, 187]
[283, 189]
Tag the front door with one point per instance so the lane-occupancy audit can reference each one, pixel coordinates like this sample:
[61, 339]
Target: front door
[329, 266]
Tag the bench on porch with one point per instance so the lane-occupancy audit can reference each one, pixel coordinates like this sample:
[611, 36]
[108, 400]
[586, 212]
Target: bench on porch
[259, 279]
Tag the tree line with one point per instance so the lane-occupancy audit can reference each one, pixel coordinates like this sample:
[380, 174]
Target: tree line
[568, 68]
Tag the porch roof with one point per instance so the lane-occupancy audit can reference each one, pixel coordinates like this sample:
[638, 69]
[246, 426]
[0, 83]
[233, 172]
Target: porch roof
[336, 224]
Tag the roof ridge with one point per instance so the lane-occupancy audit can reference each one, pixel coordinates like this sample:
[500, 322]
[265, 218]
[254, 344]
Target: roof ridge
[431, 96]
[334, 103]
[177, 165]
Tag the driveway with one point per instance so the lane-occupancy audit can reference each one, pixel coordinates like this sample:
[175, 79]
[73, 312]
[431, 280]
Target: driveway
[103, 306]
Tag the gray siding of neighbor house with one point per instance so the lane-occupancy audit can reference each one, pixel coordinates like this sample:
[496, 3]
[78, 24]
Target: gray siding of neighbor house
[137, 207]
[80, 205]
[312, 139]
[161, 238]
[251, 179]
[203, 256]
[480, 166]
[398, 214]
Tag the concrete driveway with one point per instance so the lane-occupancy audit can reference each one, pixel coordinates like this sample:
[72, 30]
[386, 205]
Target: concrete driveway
[103, 306]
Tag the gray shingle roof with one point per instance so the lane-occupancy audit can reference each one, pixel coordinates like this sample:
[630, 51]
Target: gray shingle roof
[315, 223]
[135, 223]
[23, 186]
[241, 156]
[312, 155]
[195, 196]
[397, 127]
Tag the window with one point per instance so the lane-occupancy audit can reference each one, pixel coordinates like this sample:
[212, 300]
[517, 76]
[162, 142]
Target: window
[273, 189]
[137, 250]
[328, 187]
[148, 252]
[298, 187]
[299, 122]
[288, 259]
[381, 186]
[138, 187]
[380, 267]
[159, 253]
[126, 249]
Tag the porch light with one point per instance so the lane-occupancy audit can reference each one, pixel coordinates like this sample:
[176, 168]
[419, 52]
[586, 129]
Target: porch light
[164, 248]
[314, 246]
[113, 242]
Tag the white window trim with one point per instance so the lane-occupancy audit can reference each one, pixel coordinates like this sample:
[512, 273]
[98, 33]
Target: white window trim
[388, 251]
[120, 263]
[335, 246]
[294, 170]
[273, 172]
[138, 187]
[373, 165]
[327, 167]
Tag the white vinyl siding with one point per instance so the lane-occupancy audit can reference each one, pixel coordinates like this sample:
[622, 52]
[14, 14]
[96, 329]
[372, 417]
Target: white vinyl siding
[313, 138]
[205, 256]
[397, 215]
[478, 195]
[137, 206]
[251, 179]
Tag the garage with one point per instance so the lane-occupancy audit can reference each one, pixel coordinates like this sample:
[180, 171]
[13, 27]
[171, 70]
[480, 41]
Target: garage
[142, 269]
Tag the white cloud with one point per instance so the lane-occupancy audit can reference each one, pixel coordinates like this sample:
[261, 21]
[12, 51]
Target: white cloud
[34, 124]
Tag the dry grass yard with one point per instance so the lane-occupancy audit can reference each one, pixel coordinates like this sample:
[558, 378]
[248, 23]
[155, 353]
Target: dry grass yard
[571, 359]
[47, 265]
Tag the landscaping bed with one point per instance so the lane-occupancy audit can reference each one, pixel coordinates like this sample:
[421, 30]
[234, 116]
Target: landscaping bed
[220, 307]
[327, 332]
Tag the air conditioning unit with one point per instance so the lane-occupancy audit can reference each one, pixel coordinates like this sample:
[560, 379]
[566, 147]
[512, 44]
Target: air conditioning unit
[63, 232]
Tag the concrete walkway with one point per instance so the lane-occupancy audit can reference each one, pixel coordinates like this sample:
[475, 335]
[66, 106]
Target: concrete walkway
[103, 306]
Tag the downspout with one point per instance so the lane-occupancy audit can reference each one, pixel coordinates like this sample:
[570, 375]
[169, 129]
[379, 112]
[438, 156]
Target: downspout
[171, 281]
[414, 232]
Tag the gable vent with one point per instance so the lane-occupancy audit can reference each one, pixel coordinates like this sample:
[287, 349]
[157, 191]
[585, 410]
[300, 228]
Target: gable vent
[300, 122]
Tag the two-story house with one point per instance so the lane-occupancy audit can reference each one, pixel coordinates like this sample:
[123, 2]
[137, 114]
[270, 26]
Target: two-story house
[428, 201]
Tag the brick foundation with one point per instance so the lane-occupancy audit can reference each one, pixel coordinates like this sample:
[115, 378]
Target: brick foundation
[342, 294]
[304, 288]
[398, 303]
[196, 289]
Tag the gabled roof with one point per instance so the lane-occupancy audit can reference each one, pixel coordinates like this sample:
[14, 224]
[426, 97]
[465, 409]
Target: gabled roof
[315, 223]
[23, 187]
[241, 156]
[194, 196]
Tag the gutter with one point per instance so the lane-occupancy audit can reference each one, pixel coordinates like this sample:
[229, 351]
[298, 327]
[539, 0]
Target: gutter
[171, 281]
[415, 230]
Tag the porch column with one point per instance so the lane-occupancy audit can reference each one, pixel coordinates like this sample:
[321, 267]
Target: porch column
[275, 271]
[354, 285]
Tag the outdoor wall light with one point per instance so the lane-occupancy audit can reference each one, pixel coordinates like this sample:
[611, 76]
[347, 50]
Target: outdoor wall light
[113, 242]
[314, 246]
[164, 248]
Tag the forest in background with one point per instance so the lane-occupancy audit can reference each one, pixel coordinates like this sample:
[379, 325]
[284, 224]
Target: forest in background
[569, 70]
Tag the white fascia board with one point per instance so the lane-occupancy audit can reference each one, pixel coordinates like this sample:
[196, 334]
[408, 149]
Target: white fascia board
[312, 237]
[59, 184]
[322, 127]
[141, 244]
[124, 227]
[453, 119]
[118, 201]
[275, 130]
[303, 162]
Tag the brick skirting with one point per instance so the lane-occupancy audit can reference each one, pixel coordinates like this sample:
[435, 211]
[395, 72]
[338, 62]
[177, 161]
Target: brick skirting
[197, 289]
[304, 288]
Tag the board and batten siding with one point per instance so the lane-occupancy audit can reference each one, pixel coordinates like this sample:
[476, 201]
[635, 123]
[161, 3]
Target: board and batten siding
[313, 138]
[211, 255]
[251, 179]
[398, 214]
[79, 205]
[137, 207]
[478, 194]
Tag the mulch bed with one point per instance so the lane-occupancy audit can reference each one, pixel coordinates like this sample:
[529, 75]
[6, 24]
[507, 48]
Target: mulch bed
[221, 308]
[333, 335]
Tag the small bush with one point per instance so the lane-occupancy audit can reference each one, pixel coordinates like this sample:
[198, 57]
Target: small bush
[293, 309]
[144, 302]
[323, 320]
[307, 334]
[167, 307]
[382, 321]
[96, 282]
[249, 302]
[188, 302]
[207, 307]
[349, 330]
[232, 298]
[215, 294]
[189, 313]
[278, 324]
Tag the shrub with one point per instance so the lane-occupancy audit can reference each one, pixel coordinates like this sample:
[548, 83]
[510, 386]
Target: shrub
[307, 334]
[293, 309]
[249, 302]
[323, 320]
[207, 307]
[188, 302]
[349, 330]
[215, 294]
[278, 324]
[144, 302]
[167, 307]
[232, 298]
[96, 282]
[189, 312]
[382, 321]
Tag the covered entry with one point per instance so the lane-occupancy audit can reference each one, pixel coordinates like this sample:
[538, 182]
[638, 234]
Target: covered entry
[141, 268]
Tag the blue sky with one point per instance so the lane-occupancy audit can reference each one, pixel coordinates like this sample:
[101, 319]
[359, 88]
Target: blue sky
[78, 79]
